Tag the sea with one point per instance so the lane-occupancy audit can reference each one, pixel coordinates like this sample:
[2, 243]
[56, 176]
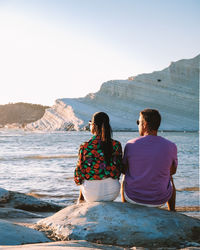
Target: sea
[42, 163]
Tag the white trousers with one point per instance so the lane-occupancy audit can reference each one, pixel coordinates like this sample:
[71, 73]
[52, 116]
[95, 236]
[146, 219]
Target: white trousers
[146, 205]
[100, 190]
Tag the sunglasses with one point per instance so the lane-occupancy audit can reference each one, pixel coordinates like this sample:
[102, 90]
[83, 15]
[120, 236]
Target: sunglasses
[138, 122]
[90, 122]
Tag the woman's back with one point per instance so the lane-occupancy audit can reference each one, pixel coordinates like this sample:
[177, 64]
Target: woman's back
[99, 163]
[92, 164]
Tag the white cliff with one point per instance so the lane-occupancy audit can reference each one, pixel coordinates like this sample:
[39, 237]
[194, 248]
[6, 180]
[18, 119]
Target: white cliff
[174, 91]
[59, 117]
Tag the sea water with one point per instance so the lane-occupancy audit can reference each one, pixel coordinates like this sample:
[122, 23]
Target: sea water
[43, 163]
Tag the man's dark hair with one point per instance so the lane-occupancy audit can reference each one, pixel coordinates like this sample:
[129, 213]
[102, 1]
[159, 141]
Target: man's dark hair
[152, 117]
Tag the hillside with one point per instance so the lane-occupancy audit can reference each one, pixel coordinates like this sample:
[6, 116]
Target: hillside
[20, 113]
[174, 91]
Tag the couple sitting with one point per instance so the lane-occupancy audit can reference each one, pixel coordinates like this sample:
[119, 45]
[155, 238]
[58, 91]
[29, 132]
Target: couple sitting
[148, 164]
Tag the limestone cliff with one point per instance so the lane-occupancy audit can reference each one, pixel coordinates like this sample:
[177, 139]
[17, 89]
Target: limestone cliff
[174, 91]
[59, 117]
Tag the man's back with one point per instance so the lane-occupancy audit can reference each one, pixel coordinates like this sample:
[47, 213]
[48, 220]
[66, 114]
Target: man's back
[147, 179]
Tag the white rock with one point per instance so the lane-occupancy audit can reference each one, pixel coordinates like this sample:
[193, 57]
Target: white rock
[4, 195]
[121, 224]
[59, 117]
[173, 91]
[11, 234]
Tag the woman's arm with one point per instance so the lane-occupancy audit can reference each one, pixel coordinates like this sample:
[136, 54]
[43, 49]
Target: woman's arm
[78, 177]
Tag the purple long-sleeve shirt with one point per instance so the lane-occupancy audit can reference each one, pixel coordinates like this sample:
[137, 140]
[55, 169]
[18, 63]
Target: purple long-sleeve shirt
[147, 179]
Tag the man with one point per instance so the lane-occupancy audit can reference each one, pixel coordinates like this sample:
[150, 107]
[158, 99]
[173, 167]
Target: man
[149, 163]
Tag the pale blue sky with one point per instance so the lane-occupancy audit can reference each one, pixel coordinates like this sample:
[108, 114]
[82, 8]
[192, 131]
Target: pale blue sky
[51, 49]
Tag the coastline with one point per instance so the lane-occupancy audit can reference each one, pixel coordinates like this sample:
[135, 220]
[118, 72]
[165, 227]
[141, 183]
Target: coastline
[82, 130]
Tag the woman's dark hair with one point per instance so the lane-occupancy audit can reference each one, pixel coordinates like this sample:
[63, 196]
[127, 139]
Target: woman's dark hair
[152, 117]
[104, 130]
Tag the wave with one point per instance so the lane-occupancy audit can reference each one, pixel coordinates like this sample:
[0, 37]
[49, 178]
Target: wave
[50, 156]
[37, 195]
[188, 189]
[39, 157]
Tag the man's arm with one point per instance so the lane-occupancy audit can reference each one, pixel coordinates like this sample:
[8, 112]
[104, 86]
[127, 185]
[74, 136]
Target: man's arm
[122, 189]
[175, 161]
[124, 168]
[173, 168]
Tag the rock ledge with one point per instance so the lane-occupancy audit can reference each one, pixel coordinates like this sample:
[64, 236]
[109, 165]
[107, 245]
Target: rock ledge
[122, 224]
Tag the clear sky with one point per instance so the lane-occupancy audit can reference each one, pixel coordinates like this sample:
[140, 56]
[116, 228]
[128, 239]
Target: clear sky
[68, 48]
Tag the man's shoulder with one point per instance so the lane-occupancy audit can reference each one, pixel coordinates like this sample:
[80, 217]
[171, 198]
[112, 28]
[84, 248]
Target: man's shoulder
[145, 139]
[167, 141]
[135, 140]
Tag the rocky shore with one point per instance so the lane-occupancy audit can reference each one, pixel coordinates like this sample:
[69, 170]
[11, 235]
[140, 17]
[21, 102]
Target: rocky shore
[29, 223]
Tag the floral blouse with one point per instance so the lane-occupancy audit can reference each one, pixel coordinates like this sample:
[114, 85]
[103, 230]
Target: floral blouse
[92, 165]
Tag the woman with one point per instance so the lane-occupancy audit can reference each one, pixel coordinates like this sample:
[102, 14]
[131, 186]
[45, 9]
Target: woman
[99, 164]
